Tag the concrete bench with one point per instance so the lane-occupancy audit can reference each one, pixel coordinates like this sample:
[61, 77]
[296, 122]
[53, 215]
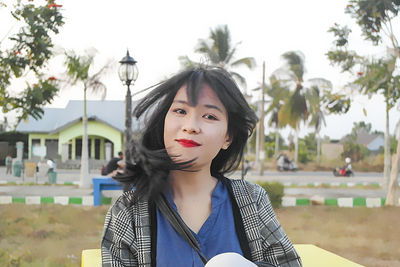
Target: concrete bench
[103, 183]
[312, 256]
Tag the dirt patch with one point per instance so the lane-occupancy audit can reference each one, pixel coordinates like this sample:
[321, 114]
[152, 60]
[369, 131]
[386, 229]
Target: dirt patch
[54, 235]
[370, 237]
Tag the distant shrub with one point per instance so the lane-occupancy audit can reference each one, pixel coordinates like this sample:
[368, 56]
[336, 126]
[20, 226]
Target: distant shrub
[275, 192]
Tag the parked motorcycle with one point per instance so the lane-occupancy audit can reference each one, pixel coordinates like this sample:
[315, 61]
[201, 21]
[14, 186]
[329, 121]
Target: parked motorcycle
[285, 164]
[343, 171]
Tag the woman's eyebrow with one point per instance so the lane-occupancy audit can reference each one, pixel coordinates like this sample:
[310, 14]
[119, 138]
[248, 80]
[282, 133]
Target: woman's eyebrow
[206, 105]
[213, 107]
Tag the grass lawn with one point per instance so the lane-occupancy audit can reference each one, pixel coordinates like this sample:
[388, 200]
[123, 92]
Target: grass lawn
[54, 235]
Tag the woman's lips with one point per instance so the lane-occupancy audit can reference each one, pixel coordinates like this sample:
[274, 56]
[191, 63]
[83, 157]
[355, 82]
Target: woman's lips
[187, 143]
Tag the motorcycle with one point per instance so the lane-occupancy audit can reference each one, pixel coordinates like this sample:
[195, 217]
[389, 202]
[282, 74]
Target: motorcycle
[343, 171]
[285, 164]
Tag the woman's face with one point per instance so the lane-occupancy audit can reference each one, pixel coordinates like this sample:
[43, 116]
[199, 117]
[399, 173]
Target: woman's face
[199, 131]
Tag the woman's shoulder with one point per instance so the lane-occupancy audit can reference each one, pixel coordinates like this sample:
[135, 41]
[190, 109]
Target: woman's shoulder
[242, 188]
[128, 204]
[245, 185]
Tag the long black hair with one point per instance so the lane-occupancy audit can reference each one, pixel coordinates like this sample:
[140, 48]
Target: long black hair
[150, 166]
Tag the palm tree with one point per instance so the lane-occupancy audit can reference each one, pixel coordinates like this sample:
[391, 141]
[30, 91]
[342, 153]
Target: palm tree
[278, 94]
[310, 101]
[294, 110]
[78, 71]
[316, 108]
[219, 51]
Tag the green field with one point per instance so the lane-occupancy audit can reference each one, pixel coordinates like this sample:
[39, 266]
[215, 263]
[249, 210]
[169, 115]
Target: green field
[54, 235]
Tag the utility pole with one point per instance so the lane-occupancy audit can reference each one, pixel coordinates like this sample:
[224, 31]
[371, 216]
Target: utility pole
[261, 135]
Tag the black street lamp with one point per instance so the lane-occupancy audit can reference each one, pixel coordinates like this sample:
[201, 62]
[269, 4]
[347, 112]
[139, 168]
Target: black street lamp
[128, 73]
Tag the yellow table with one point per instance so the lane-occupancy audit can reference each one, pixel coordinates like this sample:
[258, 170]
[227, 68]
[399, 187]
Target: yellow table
[312, 256]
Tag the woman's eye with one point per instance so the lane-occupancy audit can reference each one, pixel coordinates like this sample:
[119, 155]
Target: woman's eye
[179, 111]
[210, 117]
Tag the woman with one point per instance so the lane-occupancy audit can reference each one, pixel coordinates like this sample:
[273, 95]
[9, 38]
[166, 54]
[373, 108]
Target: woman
[199, 124]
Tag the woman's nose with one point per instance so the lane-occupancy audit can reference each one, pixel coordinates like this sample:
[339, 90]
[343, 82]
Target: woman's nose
[191, 126]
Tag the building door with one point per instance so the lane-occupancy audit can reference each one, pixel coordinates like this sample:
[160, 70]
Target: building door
[52, 148]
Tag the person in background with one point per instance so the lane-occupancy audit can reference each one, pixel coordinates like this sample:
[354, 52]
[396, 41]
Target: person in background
[348, 165]
[114, 165]
[52, 165]
[8, 162]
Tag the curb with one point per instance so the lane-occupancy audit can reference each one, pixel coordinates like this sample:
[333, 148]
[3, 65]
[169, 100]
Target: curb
[332, 184]
[62, 200]
[38, 183]
[345, 202]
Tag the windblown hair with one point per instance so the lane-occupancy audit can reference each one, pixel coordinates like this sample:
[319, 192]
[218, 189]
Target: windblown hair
[150, 166]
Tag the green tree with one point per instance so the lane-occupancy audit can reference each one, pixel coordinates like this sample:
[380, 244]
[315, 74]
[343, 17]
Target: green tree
[29, 52]
[278, 94]
[371, 74]
[351, 148]
[78, 71]
[219, 51]
[311, 98]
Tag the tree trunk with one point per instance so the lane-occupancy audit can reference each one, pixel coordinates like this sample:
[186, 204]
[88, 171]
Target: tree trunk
[262, 137]
[296, 143]
[386, 166]
[318, 148]
[392, 197]
[85, 179]
[276, 141]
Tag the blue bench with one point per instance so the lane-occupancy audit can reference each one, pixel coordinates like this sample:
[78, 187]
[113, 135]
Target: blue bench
[100, 184]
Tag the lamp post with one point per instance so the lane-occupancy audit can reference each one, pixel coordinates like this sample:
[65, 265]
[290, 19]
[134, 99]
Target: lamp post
[128, 73]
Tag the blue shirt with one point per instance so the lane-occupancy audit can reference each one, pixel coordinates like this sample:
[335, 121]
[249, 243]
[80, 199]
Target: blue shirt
[217, 234]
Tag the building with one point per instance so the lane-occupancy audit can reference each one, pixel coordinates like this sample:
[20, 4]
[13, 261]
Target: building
[373, 141]
[58, 134]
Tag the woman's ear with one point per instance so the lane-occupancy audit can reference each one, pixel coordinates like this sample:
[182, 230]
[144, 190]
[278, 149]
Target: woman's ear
[227, 142]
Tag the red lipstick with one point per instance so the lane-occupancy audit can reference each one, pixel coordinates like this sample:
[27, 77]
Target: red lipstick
[187, 143]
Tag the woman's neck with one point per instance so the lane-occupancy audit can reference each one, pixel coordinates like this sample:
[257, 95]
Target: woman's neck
[192, 184]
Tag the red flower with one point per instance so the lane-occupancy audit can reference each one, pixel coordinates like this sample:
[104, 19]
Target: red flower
[53, 5]
[17, 52]
[360, 73]
[35, 85]
[52, 78]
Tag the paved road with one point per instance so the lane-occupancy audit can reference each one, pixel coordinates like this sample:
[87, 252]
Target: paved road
[284, 177]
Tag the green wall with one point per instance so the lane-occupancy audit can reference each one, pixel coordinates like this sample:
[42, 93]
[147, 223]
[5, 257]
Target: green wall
[42, 137]
[96, 130]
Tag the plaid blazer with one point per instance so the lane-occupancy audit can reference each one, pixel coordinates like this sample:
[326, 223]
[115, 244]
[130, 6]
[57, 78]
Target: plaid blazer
[130, 229]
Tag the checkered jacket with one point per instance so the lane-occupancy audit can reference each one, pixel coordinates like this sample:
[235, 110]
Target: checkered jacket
[130, 231]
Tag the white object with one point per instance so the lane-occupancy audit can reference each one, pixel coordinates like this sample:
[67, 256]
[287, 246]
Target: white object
[63, 200]
[51, 164]
[345, 202]
[229, 259]
[5, 199]
[288, 201]
[32, 200]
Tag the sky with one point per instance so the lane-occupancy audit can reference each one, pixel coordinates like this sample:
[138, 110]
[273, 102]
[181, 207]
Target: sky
[157, 32]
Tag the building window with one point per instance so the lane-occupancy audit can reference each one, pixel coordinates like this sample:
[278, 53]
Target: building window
[70, 150]
[51, 148]
[35, 142]
[97, 148]
[90, 148]
[78, 148]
